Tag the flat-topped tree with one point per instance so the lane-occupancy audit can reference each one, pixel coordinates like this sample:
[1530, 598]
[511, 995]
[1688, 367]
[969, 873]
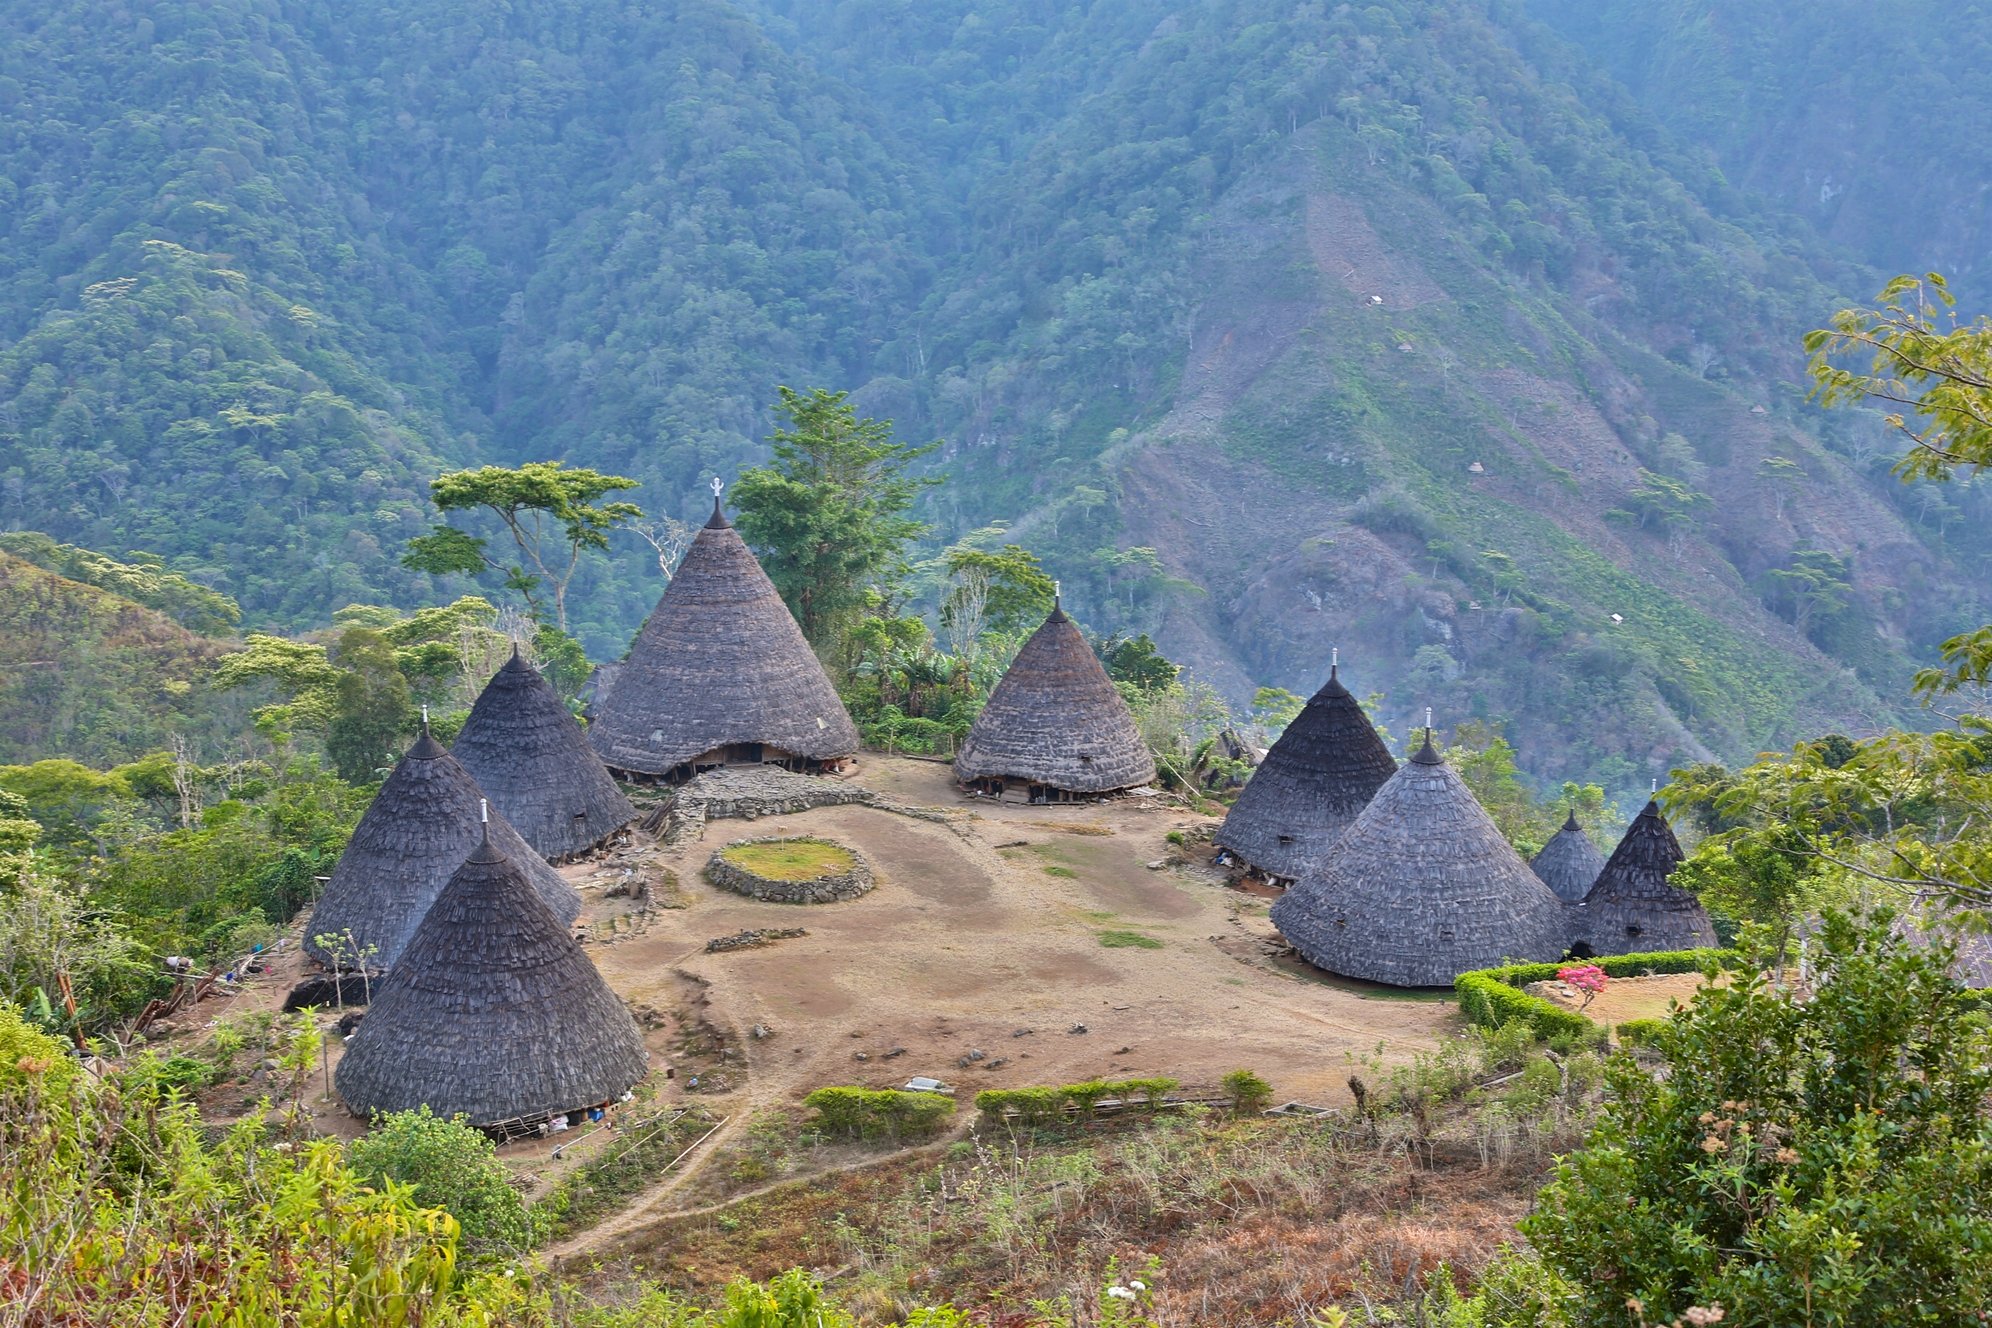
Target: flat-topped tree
[494, 1011]
[416, 832]
[525, 500]
[1569, 863]
[1313, 783]
[720, 674]
[1632, 907]
[1055, 723]
[1420, 888]
[529, 755]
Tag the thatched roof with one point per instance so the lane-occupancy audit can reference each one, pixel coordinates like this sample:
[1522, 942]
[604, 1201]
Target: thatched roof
[1310, 788]
[421, 824]
[533, 761]
[1421, 888]
[721, 661]
[494, 1011]
[1632, 907]
[1569, 863]
[1056, 719]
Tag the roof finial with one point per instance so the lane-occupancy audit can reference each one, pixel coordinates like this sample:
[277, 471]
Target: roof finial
[1428, 719]
[1057, 592]
[1656, 785]
[1334, 661]
[425, 718]
[484, 810]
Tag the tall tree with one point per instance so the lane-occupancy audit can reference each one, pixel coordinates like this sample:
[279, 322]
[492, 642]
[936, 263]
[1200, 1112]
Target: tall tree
[829, 515]
[371, 706]
[532, 501]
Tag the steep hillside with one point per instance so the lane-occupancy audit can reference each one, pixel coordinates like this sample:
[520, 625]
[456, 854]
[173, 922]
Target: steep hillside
[92, 676]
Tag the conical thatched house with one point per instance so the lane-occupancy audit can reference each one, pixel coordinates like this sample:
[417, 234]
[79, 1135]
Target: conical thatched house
[421, 825]
[1055, 726]
[533, 761]
[1569, 863]
[1421, 888]
[493, 1011]
[1310, 788]
[1632, 907]
[720, 675]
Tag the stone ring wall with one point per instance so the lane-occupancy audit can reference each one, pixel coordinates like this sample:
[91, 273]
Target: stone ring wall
[821, 890]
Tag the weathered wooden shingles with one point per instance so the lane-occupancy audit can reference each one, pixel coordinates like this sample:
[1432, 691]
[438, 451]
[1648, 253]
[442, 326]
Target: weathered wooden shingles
[494, 1010]
[532, 760]
[1632, 906]
[1421, 888]
[720, 661]
[417, 831]
[1316, 780]
[1569, 863]
[1056, 719]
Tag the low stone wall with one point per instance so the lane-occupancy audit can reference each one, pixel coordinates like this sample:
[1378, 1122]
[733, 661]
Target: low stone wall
[749, 792]
[822, 890]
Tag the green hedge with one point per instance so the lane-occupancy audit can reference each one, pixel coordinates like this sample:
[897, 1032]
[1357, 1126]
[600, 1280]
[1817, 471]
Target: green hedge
[1639, 1032]
[868, 1113]
[1037, 1105]
[1492, 997]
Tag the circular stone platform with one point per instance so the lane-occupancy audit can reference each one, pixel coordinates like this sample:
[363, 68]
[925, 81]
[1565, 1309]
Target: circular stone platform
[790, 870]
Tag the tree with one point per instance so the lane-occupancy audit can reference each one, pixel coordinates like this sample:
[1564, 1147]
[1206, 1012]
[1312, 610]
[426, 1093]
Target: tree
[1273, 708]
[828, 516]
[1000, 590]
[1816, 1158]
[451, 1166]
[1137, 662]
[527, 500]
[1812, 590]
[1941, 379]
[370, 708]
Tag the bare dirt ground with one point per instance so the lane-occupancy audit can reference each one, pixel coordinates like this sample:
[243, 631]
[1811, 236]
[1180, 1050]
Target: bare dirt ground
[986, 935]
[1629, 998]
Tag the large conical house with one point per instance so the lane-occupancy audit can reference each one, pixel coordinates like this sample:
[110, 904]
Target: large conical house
[1632, 907]
[1569, 863]
[532, 760]
[1421, 888]
[494, 1011]
[720, 675]
[422, 823]
[1312, 785]
[1055, 726]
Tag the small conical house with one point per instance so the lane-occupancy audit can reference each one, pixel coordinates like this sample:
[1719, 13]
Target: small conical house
[494, 1011]
[532, 760]
[417, 831]
[1569, 863]
[720, 675]
[1421, 888]
[1632, 908]
[1055, 724]
[1316, 780]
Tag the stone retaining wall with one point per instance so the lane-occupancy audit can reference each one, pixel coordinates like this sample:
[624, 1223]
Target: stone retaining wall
[748, 793]
[823, 890]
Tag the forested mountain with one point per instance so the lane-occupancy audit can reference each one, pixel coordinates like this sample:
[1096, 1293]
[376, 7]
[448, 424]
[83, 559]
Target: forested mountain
[1856, 118]
[1407, 327]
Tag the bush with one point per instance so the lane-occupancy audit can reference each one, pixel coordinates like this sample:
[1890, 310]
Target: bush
[1640, 1032]
[868, 1113]
[1249, 1093]
[1491, 997]
[451, 1166]
[1035, 1106]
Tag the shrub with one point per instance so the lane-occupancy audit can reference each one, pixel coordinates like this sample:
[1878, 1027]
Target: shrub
[1249, 1093]
[869, 1113]
[1035, 1106]
[1639, 1032]
[451, 1166]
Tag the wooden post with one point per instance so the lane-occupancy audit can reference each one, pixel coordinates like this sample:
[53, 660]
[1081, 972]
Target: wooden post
[69, 1007]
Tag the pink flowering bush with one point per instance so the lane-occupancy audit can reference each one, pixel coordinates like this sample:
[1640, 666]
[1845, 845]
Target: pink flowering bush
[1586, 978]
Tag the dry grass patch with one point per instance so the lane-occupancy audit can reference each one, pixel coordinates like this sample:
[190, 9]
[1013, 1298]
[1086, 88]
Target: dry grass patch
[791, 859]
